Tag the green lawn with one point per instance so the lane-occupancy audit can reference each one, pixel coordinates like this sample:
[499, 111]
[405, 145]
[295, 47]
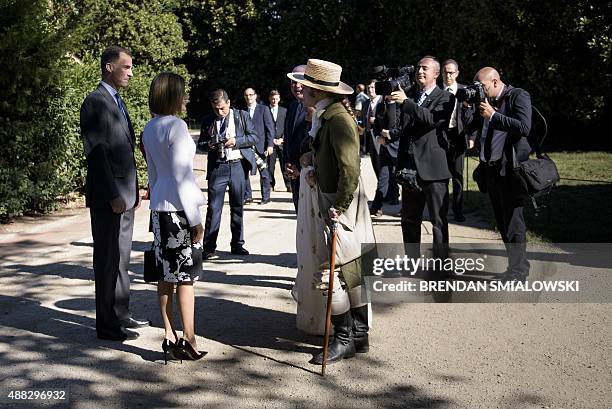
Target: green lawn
[576, 211]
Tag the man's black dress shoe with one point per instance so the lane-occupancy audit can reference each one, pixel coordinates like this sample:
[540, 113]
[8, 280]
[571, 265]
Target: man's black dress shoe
[241, 251]
[119, 335]
[134, 323]
[263, 202]
[376, 213]
[209, 254]
[513, 276]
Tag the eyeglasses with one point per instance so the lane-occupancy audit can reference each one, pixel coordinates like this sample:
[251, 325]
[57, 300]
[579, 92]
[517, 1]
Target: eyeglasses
[450, 72]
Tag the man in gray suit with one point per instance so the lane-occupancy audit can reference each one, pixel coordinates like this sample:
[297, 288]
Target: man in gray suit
[111, 193]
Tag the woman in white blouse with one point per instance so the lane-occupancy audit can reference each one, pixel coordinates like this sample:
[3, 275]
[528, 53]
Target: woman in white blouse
[175, 209]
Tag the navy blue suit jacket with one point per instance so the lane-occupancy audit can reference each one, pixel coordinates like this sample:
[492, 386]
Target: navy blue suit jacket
[513, 117]
[264, 128]
[296, 134]
[245, 139]
[109, 142]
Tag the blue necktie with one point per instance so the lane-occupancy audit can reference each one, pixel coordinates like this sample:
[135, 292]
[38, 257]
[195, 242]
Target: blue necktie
[222, 128]
[422, 98]
[121, 106]
[488, 143]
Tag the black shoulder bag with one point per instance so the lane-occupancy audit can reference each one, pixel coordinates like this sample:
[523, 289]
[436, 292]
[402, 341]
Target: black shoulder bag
[535, 177]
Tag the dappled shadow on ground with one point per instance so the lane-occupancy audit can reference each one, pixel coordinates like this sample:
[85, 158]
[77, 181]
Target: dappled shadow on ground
[272, 281]
[281, 260]
[33, 334]
[575, 214]
[571, 214]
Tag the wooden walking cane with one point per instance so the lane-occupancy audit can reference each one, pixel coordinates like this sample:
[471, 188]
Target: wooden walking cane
[330, 291]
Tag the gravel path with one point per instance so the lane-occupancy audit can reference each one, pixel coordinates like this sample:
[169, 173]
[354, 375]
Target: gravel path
[423, 355]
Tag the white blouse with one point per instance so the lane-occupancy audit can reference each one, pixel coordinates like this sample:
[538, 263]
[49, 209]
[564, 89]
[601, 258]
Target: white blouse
[170, 152]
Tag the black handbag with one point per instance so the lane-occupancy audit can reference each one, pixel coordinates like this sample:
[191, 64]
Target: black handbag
[152, 271]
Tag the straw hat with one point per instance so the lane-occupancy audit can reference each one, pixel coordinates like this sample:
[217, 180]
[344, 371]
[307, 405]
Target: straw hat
[323, 75]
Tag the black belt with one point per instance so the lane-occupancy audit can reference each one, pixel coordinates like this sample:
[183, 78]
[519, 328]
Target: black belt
[230, 161]
[491, 163]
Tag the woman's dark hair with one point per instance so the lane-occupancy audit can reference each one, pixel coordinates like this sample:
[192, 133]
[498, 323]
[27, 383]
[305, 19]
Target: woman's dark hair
[166, 94]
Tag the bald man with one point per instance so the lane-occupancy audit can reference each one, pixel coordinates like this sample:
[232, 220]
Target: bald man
[502, 123]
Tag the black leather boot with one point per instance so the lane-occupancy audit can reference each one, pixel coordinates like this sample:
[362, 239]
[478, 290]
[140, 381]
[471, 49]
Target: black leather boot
[360, 329]
[343, 346]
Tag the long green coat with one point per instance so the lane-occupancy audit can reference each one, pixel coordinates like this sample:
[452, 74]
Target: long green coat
[336, 155]
[337, 167]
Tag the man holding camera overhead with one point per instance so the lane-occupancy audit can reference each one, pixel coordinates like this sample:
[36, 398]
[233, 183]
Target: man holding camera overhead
[422, 169]
[230, 136]
[501, 115]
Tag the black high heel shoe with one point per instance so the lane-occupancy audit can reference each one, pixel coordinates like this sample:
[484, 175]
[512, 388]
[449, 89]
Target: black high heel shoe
[171, 349]
[186, 349]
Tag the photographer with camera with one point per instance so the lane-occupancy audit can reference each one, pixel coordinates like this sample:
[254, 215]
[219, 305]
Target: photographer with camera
[501, 114]
[422, 166]
[230, 136]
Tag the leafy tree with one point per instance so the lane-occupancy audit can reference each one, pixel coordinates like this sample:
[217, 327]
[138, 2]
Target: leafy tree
[50, 51]
[33, 123]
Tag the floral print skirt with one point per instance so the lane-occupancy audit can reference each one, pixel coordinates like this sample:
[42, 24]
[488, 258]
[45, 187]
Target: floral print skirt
[179, 258]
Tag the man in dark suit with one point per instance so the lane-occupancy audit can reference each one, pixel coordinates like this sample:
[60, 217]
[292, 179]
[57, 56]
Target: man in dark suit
[371, 129]
[457, 143]
[279, 114]
[502, 126]
[264, 128]
[296, 139]
[111, 193]
[227, 164]
[382, 136]
[426, 112]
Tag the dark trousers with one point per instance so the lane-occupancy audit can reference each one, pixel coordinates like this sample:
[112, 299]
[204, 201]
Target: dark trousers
[224, 175]
[508, 211]
[435, 196]
[455, 158]
[112, 238]
[374, 158]
[277, 153]
[387, 188]
[264, 184]
[295, 192]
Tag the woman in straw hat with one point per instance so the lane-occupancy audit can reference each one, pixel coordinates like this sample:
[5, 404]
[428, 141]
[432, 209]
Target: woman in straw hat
[333, 194]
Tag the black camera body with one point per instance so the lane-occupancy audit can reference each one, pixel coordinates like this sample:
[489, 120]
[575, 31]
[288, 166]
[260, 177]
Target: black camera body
[408, 178]
[473, 94]
[391, 79]
[218, 142]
